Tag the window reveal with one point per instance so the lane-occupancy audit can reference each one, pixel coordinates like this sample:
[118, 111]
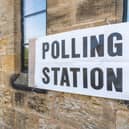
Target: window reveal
[33, 25]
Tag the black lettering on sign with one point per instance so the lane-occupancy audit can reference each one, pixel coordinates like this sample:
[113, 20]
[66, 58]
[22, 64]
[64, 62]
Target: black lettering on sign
[97, 46]
[64, 77]
[46, 78]
[115, 79]
[55, 49]
[74, 54]
[45, 48]
[84, 46]
[74, 71]
[55, 75]
[118, 46]
[64, 55]
[85, 78]
[98, 78]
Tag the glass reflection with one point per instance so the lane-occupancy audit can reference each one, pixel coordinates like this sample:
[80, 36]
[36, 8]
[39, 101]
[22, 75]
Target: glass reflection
[34, 26]
[32, 6]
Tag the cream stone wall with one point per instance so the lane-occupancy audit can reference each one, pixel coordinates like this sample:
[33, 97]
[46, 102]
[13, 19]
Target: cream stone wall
[54, 110]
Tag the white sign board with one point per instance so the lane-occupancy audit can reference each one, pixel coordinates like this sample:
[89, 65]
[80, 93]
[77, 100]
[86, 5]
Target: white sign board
[92, 61]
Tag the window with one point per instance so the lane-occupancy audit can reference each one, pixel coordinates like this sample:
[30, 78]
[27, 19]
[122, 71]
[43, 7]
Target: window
[127, 10]
[33, 25]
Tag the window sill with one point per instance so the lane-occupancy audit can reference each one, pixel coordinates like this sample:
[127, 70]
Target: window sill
[20, 82]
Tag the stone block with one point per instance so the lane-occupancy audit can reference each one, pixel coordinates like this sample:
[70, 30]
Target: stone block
[37, 103]
[52, 3]
[95, 9]
[122, 119]
[8, 63]
[9, 117]
[58, 18]
[32, 121]
[52, 123]
[86, 113]
[3, 43]
[5, 97]
[6, 12]
[19, 99]
[26, 121]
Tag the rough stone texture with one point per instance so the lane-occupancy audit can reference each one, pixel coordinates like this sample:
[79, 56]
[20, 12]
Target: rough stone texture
[29, 110]
[37, 103]
[122, 119]
[76, 14]
[19, 99]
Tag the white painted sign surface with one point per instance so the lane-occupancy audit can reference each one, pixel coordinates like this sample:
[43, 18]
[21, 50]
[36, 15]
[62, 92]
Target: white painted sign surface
[92, 61]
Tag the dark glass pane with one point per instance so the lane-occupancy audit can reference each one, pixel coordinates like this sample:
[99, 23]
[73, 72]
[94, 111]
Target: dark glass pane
[26, 50]
[32, 6]
[128, 11]
[34, 27]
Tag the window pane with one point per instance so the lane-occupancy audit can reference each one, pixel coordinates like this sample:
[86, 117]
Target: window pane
[31, 6]
[34, 27]
[128, 12]
[26, 56]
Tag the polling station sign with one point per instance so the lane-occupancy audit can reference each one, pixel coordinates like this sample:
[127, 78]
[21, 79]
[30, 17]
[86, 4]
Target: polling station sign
[92, 62]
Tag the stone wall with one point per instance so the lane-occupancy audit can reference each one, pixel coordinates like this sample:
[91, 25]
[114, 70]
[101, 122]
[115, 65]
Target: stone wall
[74, 14]
[54, 110]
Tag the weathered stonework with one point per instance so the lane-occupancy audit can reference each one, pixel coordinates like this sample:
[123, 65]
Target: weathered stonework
[29, 110]
[122, 119]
